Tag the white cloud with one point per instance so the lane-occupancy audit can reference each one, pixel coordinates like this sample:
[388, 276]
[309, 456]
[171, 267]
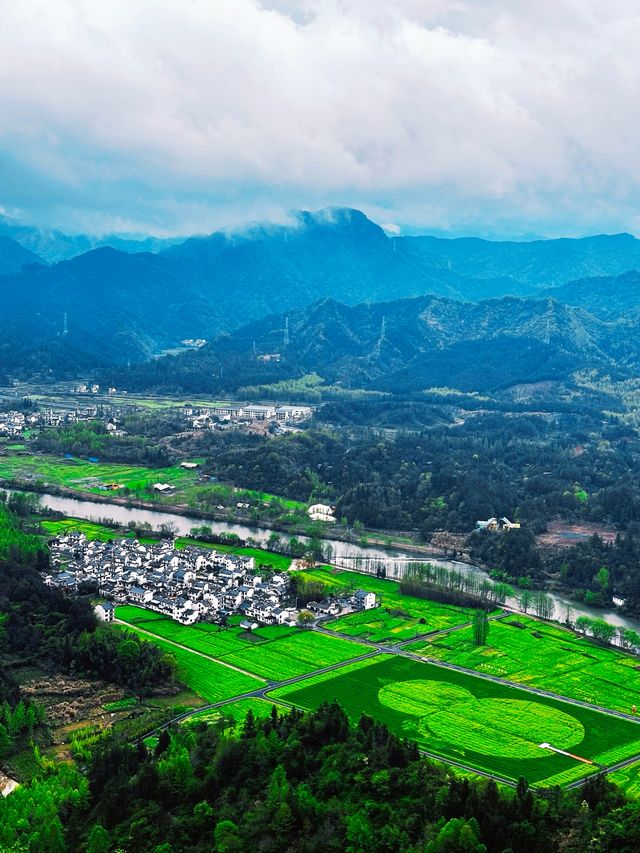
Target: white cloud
[448, 113]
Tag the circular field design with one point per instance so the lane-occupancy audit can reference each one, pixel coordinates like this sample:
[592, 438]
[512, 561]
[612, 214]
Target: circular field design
[422, 697]
[510, 728]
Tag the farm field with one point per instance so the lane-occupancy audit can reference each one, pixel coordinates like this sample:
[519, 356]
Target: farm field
[234, 710]
[628, 778]
[86, 476]
[211, 680]
[487, 726]
[276, 652]
[544, 655]
[279, 562]
[383, 623]
[91, 529]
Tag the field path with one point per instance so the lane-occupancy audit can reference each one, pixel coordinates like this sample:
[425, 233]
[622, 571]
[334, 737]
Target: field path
[136, 629]
[378, 649]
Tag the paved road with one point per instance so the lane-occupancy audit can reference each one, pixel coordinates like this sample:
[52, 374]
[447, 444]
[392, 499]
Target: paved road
[377, 649]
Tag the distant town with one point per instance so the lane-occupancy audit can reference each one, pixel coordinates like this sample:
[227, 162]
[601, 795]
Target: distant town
[14, 423]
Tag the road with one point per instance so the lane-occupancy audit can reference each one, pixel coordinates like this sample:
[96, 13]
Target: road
[398, 650]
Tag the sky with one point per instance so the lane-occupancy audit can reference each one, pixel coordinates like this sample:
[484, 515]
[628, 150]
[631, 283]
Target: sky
[502, 118]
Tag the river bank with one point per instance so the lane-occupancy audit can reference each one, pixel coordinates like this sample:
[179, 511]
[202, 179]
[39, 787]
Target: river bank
[365, 559]
[373, 538]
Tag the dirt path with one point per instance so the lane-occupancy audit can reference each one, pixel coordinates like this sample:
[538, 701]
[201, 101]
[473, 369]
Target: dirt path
[192, 651]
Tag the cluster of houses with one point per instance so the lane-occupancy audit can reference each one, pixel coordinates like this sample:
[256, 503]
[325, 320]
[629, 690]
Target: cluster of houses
[14, 423]
[209, 418]
[187, 584]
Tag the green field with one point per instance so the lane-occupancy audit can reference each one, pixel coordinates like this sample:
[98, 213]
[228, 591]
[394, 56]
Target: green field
[487, 726]
[77, 525]
[211, 680]
[399, 616]
[279, 562]
[84, 476]
[88, 476]
[628, 779]
[384, 623]
[234, 710]
[544, 655]
[277, 652]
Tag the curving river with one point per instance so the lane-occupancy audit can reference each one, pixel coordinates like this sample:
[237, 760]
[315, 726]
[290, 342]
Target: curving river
[345, 554]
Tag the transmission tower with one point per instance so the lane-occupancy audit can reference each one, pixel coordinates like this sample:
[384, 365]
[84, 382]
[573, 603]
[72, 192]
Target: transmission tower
[286, 333]
[65, 327]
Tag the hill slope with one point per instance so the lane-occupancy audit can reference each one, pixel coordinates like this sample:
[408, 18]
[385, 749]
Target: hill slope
[405, 346]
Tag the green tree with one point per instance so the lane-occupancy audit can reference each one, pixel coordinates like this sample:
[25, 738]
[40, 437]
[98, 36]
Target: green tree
[226, 837]
[98, 841]
[480, 627]
[457, 836]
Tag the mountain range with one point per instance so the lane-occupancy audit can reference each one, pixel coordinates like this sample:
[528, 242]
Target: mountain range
[405, 346]
[547, 299]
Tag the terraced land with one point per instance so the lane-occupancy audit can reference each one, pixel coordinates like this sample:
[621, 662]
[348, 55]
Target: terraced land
[275, 653]
[544, 655]
[487, 726]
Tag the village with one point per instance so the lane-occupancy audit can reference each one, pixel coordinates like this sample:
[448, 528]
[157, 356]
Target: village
[14, 423]
[188, 584]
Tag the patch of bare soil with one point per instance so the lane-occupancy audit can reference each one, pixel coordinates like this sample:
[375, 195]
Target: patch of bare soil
[562, 535]
[69, 700]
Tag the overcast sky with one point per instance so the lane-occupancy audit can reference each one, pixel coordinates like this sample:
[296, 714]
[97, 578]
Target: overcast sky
[496, 117]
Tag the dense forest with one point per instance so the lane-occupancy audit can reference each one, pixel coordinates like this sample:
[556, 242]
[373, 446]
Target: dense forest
[41, 624]
[92, 439]
[530, 467]
[301, 782]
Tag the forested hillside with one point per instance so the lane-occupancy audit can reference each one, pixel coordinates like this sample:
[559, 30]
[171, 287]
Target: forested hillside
[301, 783]
[405, 346]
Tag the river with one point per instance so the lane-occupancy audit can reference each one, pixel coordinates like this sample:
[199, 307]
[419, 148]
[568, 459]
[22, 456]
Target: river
[346, 554]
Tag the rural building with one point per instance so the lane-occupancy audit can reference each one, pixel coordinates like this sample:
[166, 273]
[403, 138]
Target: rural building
[293, 413]
[258, 413]
[363, 600]
[321, 512]
[104, 611]
[497, 524]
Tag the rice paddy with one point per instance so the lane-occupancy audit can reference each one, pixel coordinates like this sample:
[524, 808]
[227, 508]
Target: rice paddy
[484, 725]
[544, 655]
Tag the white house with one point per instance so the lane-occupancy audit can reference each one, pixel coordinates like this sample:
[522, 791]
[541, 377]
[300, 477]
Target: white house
[293, 413]
[364, 600]
[321, 512]
[104, 611]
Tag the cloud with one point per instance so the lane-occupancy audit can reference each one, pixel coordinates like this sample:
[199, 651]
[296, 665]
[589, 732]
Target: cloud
[490, 115]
